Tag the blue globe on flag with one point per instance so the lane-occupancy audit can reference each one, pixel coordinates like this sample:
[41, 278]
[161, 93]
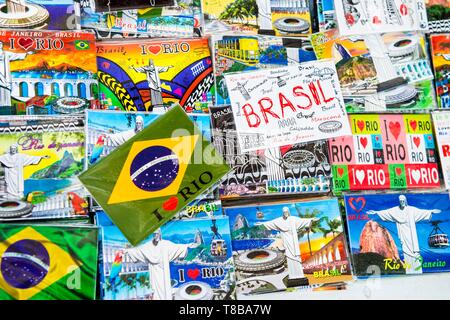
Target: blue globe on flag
[154, 168]
[25, 264]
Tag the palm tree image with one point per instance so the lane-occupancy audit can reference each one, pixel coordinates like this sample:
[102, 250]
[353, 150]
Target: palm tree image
[112, 287]
[316, 226]
[333, 227]
[144, 282]
[125, 283]
[130, 281]
[240, 10]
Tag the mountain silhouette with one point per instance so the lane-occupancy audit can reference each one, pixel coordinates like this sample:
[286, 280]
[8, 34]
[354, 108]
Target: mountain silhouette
[62, 67]
[64, 168]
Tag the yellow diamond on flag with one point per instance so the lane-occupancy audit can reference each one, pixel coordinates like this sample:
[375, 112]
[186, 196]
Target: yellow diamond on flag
[153, 168]
[41, 263]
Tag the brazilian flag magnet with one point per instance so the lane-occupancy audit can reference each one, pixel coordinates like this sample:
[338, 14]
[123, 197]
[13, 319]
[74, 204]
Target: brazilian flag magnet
[147, 180]
[81, 45]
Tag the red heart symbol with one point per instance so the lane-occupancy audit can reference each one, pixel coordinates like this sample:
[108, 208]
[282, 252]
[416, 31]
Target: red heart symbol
[376, 20]
[350, 19]
[395, 128]
[377, 138]
[398, 171]
[363, 141]
[429, 137]
[106, 65]
[378, 153]
[403, 10]
[360, 124]
[26, 43]
[170, 204]
[340, 172]
[416, 141]
[193, 273]
[431, 152]
[357, 204]
[413, 124]
[154, 49]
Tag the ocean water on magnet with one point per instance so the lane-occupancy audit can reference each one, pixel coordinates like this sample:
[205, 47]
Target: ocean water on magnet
[248, 244]
[48, 186]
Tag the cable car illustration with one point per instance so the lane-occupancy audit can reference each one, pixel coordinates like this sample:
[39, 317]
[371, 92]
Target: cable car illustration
[218, 247]
[437, 239]
[280, 81]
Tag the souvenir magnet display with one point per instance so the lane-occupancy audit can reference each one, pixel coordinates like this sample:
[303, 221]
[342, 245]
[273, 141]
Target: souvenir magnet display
[438, 12]
[47, 72]
[47, 262]
[268, 17]
[287, 244]
[41, 158]
[163, 22]
[160, 170]
[386, 151]
[326, 15]
[379, 73]
[299, 168]
[38, 14]
[442, 129]
[397, 234]
[183, 260]
[377, 16]
[283, 106]
[114, 5]
[440, 50]
[236, 53]
[141, 75]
